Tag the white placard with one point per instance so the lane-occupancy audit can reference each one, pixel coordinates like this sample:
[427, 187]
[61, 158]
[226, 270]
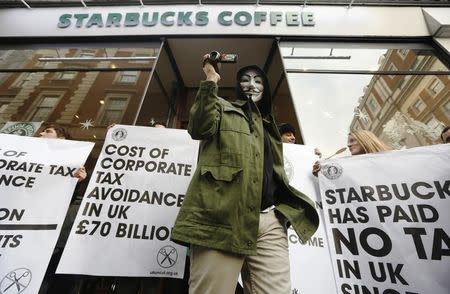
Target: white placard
[35, 191]
[311, 269]
[124, 222]
[388, 220]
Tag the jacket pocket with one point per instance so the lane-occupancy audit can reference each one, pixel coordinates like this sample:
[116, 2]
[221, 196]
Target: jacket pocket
[233, 119]
[220, 173]
[220, 190]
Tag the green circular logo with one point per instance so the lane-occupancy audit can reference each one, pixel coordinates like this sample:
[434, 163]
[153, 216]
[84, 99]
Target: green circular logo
[21, 129]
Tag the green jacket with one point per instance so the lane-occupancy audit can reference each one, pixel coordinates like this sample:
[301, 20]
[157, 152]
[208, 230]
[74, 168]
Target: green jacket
[222, 204]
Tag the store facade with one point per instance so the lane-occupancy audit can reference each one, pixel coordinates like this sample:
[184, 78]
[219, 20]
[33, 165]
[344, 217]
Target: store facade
[331, 69]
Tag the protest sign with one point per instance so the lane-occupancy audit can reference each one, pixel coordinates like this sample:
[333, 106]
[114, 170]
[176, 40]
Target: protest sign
[388, 220]
[311, 269]
[124, 223]
[36, 185]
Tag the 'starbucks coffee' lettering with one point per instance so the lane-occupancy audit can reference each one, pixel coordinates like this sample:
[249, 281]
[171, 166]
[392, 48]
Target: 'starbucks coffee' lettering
[184, 18]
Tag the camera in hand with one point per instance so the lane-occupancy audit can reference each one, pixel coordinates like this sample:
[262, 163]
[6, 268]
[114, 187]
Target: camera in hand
[223, 57]
[216, 57]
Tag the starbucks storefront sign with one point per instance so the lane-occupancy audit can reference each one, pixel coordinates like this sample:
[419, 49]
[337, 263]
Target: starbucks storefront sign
[184, 18]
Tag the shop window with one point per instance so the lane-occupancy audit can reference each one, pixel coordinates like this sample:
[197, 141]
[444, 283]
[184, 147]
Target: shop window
[402, 115]
[419, 106]
[435, 87]
[113, 110]
[127, 77]
[23, 79]
[42, 97]
[45, 108]
[161, 97]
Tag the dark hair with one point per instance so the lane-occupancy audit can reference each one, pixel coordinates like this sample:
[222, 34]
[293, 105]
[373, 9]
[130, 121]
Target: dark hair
[60, 131]
[284, 128]
[443, 131]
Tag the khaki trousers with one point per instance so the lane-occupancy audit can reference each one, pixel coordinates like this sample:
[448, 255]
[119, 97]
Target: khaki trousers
[216, 272]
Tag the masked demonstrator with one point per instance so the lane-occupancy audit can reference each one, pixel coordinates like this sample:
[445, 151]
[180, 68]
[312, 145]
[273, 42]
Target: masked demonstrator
[239, 203]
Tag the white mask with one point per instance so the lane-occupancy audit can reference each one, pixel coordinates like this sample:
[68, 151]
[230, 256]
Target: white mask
[251, 83]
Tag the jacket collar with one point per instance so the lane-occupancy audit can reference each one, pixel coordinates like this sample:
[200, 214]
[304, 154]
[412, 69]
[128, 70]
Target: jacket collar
[239, 103]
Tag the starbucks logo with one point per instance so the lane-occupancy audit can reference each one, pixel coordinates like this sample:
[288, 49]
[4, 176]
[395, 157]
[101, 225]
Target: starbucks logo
[288, 168]
[21, 129]
[331, 171]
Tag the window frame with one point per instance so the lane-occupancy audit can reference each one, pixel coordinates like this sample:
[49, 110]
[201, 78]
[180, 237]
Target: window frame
[446, 109]
[402, 53]
[392, 67]
[120, 74]
[60, 76]
[430, 87]
[373, 99]
[416, 110]
[383, 90]
[35, 106]
[103, 108]
[433, 118]
[22, 79]
[87, 53]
